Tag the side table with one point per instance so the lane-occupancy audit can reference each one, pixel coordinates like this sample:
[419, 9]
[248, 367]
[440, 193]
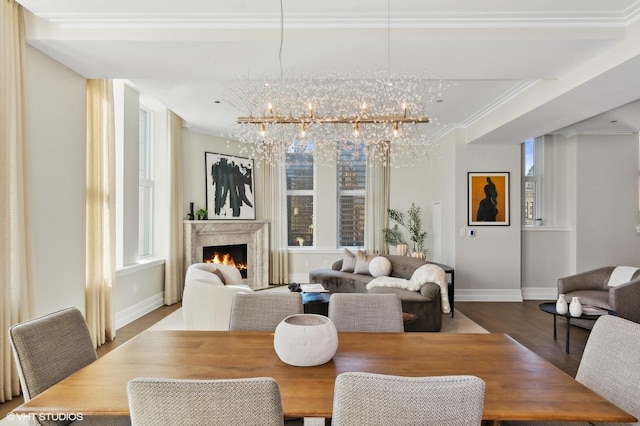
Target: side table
[550, 308]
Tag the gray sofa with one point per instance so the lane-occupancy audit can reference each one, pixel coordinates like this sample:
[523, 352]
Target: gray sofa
[426, 304]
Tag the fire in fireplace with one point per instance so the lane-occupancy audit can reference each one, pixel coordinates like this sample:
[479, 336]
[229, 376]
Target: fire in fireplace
[233, 255]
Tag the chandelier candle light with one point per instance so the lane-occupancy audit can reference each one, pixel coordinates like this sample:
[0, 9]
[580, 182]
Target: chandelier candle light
[337, 112]
[375, 113]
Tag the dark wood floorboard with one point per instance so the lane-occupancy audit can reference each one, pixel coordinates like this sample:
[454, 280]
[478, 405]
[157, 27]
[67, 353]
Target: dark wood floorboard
[522, 321]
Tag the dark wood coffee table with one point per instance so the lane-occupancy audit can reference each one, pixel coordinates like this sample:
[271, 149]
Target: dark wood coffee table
[550, 308]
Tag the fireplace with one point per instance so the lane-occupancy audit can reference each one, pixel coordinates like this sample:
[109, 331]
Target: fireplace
[232, 255]
[199, 234]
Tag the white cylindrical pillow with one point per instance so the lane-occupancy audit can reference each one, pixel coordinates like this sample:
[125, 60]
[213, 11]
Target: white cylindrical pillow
[380, 266]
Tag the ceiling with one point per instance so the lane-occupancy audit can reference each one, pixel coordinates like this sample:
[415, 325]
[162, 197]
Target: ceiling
[515, 68]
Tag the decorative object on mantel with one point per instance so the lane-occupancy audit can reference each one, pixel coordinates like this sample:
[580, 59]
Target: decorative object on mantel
[538, 222]
[376, 112]
[191, 215]
[575, 307]
[561, 305]
[413, 225]
[230, 186]
[305, 340]
[202, 214]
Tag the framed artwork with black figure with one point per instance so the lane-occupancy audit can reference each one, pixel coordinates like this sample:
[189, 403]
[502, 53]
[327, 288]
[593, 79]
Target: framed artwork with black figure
[488, 194]
[230, 187]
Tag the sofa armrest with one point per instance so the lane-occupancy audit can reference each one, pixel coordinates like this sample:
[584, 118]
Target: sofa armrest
[430, 291]
[595, 279]
[625, 300]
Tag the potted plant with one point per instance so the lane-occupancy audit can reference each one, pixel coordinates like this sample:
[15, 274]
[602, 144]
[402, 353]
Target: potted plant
[412, 223]
[202, 214]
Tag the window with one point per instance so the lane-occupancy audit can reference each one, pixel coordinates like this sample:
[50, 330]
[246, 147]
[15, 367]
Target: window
[532, 155]
[145, 179]
[351, 198]
[300, 199]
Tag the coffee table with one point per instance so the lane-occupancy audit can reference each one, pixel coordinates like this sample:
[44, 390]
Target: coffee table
[550, 308]
[316, 303]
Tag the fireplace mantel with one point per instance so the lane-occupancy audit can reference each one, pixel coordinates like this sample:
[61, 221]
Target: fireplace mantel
[255, 234]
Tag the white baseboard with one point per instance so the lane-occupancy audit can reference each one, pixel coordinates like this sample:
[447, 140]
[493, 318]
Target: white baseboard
[138, 310]
[299, 278]
[488, 295]
[540, 293]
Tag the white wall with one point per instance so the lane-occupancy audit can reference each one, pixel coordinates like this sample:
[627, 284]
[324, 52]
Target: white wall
[606, 213]
[487, 266]
[56, 113]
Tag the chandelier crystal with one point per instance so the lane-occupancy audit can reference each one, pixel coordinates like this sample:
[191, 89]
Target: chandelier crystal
[374, 113]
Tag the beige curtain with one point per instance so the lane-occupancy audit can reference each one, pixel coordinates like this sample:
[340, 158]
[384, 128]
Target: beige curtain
[174, 266]
[100, 212]
[15, 208]
[376, 203]
[274, 210]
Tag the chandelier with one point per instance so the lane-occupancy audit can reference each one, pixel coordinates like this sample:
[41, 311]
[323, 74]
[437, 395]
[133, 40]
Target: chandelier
[371, 113]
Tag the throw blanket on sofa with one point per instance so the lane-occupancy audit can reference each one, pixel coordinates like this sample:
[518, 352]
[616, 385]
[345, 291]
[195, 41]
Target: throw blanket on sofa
[425, 274]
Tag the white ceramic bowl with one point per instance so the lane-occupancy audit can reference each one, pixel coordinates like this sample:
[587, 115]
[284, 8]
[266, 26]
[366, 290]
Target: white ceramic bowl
[305, 340]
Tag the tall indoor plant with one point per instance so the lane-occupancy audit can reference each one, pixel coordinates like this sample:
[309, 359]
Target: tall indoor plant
[412, 223]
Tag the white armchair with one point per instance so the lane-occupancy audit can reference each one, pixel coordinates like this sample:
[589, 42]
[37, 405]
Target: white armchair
[206, 301]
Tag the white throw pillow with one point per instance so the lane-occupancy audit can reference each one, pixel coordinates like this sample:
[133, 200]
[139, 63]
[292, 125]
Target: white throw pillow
[348, 262]
[362, 262]
[621, 275]
[380, 266]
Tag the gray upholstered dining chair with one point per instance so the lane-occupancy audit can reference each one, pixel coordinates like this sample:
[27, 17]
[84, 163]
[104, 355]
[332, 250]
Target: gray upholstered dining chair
[50, 348]
[609, 366]
[260, 311]
[248, 401]
[379, 399]
[377, 313]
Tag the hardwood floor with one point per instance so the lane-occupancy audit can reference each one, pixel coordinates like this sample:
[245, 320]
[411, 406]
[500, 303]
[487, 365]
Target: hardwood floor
[522, 321]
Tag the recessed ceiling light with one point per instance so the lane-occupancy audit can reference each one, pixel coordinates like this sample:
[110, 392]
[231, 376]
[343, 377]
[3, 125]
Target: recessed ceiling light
[613, 121]
[216, 102]
[440, 101]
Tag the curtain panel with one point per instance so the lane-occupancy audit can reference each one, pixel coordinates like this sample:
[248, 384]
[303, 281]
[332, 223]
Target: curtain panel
[274, 210]
[15, 209]
[378, 178]
[174, 264]
[100, 212]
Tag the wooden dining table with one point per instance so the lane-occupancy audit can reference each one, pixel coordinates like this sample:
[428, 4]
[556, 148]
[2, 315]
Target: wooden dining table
[520, 385]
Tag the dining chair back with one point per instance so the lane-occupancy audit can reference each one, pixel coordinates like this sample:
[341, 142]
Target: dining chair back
[610, 363]
[50, 348]
[261, 311]
[377, 313]
[609, 367]
[379, 399]
[248, 401]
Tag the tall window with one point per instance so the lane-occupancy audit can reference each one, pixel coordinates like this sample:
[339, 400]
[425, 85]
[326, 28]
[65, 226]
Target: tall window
[145, 179]
[300, 197]
[351, 198]
[532, 180]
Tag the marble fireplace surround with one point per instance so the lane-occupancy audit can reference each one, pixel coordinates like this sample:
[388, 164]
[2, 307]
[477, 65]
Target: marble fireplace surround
[255, 234]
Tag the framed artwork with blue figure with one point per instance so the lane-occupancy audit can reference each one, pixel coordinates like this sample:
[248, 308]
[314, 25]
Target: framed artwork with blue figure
[230, 187]
[488, 198]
